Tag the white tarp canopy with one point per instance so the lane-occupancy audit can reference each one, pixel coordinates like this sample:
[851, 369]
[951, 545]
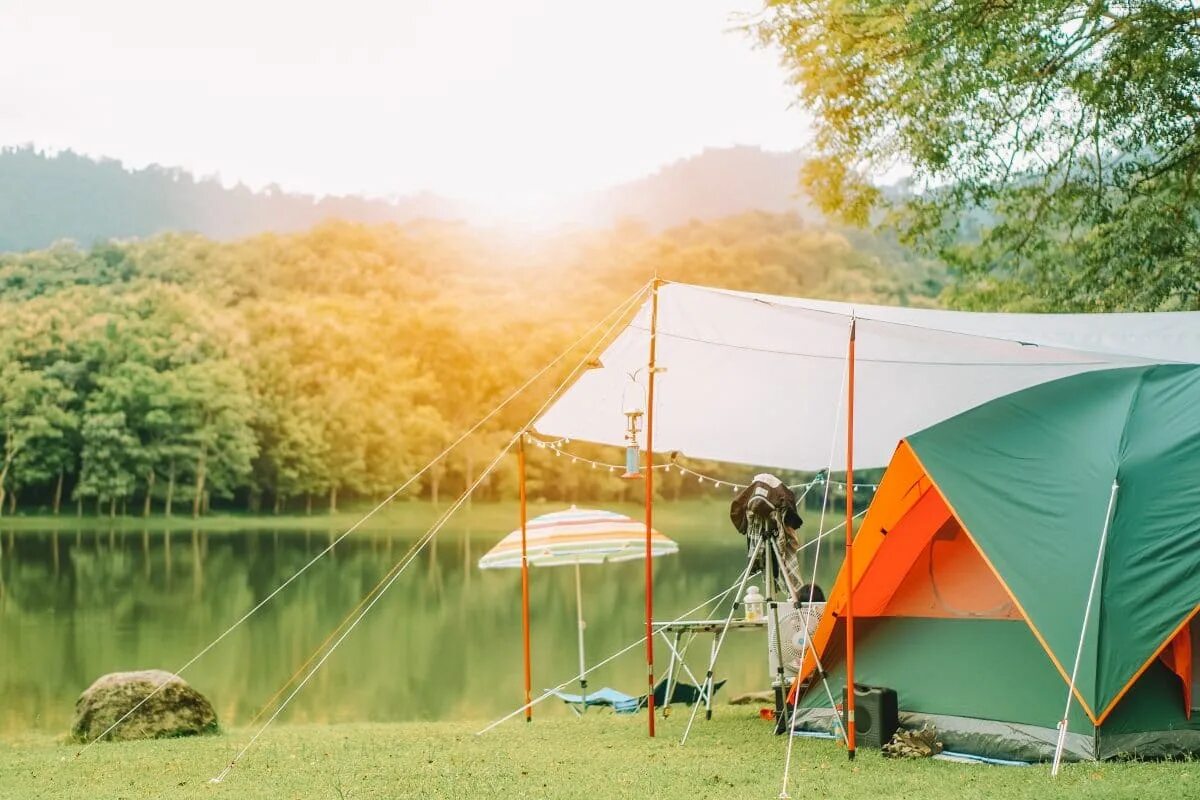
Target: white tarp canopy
[759, 379]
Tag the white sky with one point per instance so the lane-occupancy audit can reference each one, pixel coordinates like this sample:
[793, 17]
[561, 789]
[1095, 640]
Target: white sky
[493, 101]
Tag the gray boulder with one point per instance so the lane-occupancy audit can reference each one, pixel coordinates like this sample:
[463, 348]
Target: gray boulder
[176, 710]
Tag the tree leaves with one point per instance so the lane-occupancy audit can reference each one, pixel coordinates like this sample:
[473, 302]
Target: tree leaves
[1053, 145]
[341, 360]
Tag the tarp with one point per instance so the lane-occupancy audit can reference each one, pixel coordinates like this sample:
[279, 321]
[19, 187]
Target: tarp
[759, 379]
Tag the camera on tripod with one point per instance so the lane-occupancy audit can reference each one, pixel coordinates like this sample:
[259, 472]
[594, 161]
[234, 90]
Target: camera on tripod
[765, 513]
[766, 510]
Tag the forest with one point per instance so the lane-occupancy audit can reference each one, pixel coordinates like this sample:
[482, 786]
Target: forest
[287, 373]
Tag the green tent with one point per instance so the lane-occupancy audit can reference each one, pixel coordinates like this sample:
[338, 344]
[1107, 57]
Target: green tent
[979, 552]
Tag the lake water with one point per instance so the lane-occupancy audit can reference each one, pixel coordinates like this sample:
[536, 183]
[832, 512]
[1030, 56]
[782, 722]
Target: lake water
[443, 643]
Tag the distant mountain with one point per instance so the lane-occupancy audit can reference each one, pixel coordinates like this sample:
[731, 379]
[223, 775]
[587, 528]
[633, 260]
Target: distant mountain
[717, 183]
[45, 198]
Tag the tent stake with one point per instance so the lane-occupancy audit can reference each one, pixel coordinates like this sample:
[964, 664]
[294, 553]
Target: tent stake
[1087, 613]
[650, 505]
[850, 738]
[524, 581]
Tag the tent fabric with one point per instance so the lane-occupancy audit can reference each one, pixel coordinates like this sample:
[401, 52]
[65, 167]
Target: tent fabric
[1030, 475]
[950, 580]
[1178, 658]
[978, 554]
[577, 536]
[759, 379]
[902, 488]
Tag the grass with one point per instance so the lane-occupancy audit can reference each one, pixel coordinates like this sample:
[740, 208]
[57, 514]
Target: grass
[601, 756]
[706, 518]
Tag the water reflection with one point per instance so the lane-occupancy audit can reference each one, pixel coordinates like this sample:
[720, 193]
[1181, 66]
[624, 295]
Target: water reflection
[443, 643]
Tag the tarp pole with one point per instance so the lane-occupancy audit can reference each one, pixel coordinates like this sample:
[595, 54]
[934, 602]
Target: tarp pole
[524, 582]
[1087, 613]
[652, 368]
[581, 624]
[850, 738]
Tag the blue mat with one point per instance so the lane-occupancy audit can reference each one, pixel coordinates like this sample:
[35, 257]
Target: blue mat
[621, 703]
[628, 704]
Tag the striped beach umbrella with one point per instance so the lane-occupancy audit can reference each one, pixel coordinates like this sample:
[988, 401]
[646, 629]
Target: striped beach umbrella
[576, 537]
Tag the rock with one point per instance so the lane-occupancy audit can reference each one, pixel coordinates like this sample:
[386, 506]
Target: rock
[176, 710]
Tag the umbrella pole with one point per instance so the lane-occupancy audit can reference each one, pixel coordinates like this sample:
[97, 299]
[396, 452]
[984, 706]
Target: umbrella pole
[524, 582]
[850, 738]
[651, 369]
[581, 625]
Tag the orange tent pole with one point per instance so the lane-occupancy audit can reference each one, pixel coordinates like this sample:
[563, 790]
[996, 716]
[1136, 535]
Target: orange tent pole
[650, 506]
[524, 583]
[850, 738]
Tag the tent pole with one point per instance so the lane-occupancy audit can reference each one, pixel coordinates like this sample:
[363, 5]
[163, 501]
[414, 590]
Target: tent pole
[652, 368]
[850, 738]
[524, 581]
[1087, 613]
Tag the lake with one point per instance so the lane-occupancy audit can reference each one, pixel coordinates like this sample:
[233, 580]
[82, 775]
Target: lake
[443, 643]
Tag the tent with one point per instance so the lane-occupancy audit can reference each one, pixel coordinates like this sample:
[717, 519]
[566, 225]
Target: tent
[977, 562]
[758, 379]
[762, 379]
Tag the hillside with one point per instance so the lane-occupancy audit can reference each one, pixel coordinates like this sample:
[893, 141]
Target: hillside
[717, 183]
[272, 370]
[47, 198]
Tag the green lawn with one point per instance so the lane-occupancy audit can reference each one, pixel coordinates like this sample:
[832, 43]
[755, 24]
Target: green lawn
[602, 756]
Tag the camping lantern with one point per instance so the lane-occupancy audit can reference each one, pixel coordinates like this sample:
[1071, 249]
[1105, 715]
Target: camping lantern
[633, 408]
[633, 425]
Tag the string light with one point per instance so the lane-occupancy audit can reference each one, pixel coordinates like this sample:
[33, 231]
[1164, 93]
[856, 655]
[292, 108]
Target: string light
[701, 478]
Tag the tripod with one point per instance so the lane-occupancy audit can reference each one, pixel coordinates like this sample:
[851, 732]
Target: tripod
[763, 541]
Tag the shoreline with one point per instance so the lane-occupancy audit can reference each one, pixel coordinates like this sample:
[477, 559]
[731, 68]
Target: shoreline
[695, 519]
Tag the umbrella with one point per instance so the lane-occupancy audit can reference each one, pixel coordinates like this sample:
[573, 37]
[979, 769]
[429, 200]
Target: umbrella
[575, 537]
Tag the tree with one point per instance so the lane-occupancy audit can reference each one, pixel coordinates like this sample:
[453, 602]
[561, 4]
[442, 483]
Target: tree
[31, 416]
[110, 461]
[1053, 145]
[220, 439]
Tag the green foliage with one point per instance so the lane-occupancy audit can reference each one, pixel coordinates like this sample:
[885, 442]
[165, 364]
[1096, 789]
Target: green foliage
[32, 423]
[1054, 145]
[275, 370]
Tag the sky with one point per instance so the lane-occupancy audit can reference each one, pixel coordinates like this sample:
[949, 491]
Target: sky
[497, 102]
